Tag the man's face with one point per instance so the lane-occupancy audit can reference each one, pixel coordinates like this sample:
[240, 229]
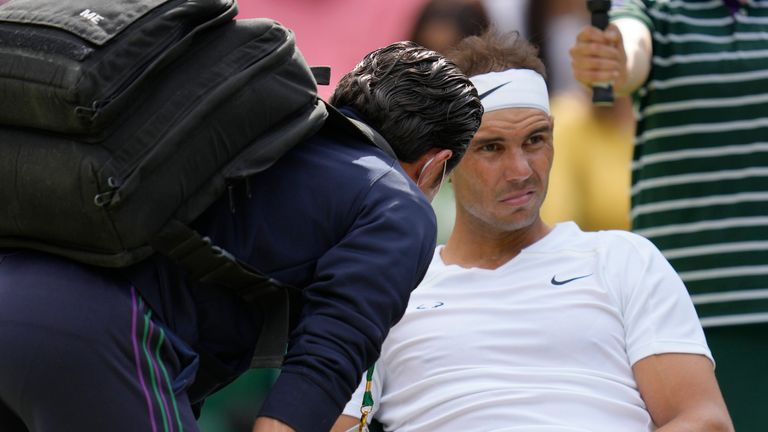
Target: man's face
[502, 180]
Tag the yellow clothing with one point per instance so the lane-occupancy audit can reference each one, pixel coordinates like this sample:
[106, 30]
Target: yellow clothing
[590, 179]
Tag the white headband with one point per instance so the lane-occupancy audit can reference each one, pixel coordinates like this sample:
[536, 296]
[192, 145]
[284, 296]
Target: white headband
[513, 88]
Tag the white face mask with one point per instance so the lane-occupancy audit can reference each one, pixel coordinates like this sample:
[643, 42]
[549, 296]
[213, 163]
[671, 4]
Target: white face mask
[428, 191]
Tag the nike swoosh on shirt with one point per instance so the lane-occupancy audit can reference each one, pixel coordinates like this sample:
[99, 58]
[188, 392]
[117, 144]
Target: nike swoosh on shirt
[563, 282]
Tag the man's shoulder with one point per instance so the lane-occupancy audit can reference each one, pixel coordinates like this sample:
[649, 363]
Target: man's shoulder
[570, 236]
[625, 239]
[345, 155]
[622, 244]
[620, 249]
[351, 162]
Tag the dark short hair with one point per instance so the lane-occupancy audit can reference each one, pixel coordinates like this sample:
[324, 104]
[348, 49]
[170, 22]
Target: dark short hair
[493, 51]
[415, 98]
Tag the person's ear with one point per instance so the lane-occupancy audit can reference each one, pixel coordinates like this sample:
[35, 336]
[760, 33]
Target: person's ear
[432, 169]
[432, 173]
[428, 170]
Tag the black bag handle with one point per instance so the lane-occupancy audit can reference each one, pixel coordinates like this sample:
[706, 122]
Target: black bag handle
[211, 264]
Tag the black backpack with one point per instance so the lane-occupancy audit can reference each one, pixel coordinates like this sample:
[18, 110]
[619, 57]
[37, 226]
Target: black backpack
[126, 121]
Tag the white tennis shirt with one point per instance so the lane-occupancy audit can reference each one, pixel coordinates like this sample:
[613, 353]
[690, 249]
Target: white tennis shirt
[544, 343]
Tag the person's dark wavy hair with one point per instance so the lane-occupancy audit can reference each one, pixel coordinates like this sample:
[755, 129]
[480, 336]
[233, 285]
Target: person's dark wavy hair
[415, 98]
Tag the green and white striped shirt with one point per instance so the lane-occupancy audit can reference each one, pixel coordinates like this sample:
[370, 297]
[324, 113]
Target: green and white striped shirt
[700, 165]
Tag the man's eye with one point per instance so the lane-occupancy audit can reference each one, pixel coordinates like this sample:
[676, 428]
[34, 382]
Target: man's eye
[536, 139]
[489, 147]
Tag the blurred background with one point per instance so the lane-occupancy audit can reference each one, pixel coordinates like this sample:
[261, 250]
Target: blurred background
[591, 174]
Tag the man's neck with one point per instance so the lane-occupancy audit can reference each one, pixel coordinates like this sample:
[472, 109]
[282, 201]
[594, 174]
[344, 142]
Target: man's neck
[470, 247]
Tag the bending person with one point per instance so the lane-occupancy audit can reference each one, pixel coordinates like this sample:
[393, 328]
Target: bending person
[345, 223]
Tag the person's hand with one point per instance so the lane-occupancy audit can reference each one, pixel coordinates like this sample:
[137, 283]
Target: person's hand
[266, 424]
[599, 57]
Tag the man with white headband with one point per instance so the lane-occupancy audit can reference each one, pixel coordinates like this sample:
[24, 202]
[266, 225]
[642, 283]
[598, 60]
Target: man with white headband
[519, 326]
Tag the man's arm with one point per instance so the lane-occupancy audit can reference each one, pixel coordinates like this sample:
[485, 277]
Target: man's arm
[681, 393]
[266, 424]
[621, 54]
[344, 423]
[665, 344]
[360, 289]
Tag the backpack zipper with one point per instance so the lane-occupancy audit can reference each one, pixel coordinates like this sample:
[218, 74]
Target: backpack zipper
[145, 65]
[104, 199]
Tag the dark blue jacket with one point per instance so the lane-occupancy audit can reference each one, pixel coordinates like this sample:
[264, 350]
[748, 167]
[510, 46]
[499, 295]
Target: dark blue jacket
[338, 219]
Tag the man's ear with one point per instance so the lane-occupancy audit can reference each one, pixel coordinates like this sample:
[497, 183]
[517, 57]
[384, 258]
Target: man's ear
[432, 168]
[420, 167]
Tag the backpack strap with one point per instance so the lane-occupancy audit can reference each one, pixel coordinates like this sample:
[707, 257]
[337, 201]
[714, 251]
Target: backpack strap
[211, 264]
[337, 119]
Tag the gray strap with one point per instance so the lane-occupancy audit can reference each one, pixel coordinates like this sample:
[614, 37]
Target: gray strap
[336, 118]
[373, 137]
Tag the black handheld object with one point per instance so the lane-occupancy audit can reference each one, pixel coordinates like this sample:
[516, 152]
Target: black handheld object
[602, 93]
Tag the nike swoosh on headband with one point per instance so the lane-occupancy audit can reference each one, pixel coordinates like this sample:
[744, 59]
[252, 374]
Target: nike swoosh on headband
[492, 90]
